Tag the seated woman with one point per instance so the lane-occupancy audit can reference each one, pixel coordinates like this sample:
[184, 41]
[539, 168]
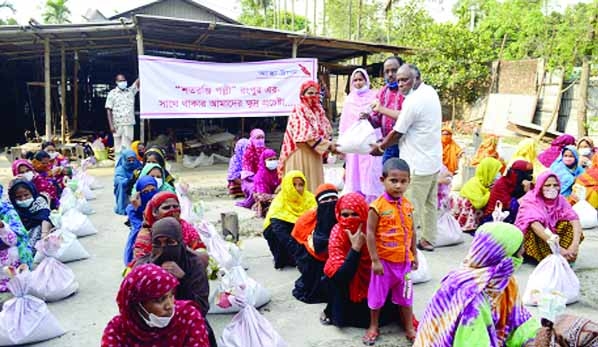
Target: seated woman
[44, 180]
[150, 315]
[154, 155]
[567, 169]
[473, 197]
[528, 150]
[487, 149]
[549, 155]
[32, 208]
[589, 180]
[163, 204]
[146, 188]
[292, 202]
[451, 151]
[10, 218]
[57, 159]
[312, 232]
[139, 149]
[23, 169]
[508, 189]
[170, 253]
[265, 182]
[251, 163]
[157, 172]
[480, 301]
[235, 165]
[543, 212]
[586, 150]
[127, 164]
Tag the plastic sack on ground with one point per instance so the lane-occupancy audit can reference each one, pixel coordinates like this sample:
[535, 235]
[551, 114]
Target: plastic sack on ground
[588, 216]
[77, 223]
[552, 275]
[358, 138]
[226, 254]
[254, 293]
[422, 274]
[68, 200]
[449, 230]
[250, 328]
[70, 248]
[25, 318]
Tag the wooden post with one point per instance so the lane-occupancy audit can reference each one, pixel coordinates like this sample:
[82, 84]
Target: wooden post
[294, 51]
[140, 51]
[76, 93]
[584, 82]
[62, 95]
[47, 90]
[364, 60]
[230, 225]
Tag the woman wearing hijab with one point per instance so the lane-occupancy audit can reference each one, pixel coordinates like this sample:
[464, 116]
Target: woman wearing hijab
[312, 232]
[154, 155]
[586, 150]
[123, 172]
[139, 149]
[32, 208]
[549, 155]
[473, 197]
[527, 150]
[487, 149]
[543, 212]
[508, 189]
[158, 172]
[150, 316]
[293, 201]
[42, 169]
[358, 167]
[589, 179]
[251, 163]
[567, 169]
[480, 301]
[147, 188]
[11, 220]
[43, 164]
[170, 253]
[308, 135]
[235, 165]
[265, 182]
[23, 169]
[451, 151]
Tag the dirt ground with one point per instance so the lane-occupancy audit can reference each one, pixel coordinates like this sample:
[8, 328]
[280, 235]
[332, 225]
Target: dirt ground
[85, 314]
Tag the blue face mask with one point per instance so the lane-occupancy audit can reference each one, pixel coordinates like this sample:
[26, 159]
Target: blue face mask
[147, 196]
[392, 85]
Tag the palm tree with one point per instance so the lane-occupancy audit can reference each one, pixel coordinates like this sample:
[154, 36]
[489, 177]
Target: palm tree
[56, 12]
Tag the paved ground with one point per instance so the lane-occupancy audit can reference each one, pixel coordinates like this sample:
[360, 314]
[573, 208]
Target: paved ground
[85, 314]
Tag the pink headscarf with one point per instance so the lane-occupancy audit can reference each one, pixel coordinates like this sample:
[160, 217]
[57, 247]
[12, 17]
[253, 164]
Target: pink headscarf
[549, 155]
[356, 102]
[534, 207]
[252, 154]
[265, 181]
[18, 163]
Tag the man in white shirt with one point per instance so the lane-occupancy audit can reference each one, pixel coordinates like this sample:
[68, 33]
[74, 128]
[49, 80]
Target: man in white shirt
[120, 109]
[418, 131]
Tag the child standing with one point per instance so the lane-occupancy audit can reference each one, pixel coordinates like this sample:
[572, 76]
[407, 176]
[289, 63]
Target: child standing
[391, 243]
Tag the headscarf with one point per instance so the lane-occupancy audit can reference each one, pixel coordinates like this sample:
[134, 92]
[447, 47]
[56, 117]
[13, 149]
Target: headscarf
[265, 181]
[289, 205]
[307, 122]
[44, 184]
[487, 149]
[147, 282]
[567, 175]
[141, 184]
[166, 187]
[463, 293]
[37, 162]
[33, 215]
[251, 157]
[509, 186]
[450, 151]
[477, 189]
[18, 163]
[549, 155]
[135, 148]
[339, 245]
[154, 203]
[587, 140]
[236, 161]
[159, 152]
[124, 168]
[10, 217]
[356, 102]
[533, 207]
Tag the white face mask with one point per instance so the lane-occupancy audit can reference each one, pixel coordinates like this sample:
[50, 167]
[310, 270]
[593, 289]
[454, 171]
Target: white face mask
[271, 164]
[159, 181]
[25, 203]
[585, 151]
[121, 84]
[550, 193]
[28, 175]
[155, 321]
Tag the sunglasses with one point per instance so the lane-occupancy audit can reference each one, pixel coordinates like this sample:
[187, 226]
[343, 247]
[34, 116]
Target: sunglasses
[347, 214]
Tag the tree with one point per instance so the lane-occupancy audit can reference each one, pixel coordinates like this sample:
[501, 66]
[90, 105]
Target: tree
[56, 12]
[9, 6]
[252, 13]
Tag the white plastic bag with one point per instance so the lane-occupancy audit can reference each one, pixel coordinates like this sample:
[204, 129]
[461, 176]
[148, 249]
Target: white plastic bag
[358, 138]
[52, 280]
[77, 223]
[335, 176]
[226, 254]
[449, 230]
[552, 275]
[25, 318]
[422, 274]
[588, 216]
[254, 293]
[68, 200]
[70, 248]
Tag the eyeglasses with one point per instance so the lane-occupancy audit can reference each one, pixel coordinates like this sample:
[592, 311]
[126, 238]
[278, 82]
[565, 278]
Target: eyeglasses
[347, 214]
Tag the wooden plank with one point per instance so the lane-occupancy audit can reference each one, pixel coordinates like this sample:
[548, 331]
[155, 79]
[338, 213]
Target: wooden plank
[171, 45]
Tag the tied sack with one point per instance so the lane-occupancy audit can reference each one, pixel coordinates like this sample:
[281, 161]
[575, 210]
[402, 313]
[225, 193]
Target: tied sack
[70, 248]
[588, 216]
[254, 293]
[422, 274]
[358, 138]
[25, 318]
[449, 230]
[52, 280]
[553, 275]
[226, 254]
[77, 223]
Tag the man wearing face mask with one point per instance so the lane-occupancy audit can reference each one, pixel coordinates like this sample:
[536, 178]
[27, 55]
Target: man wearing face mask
[120, 109]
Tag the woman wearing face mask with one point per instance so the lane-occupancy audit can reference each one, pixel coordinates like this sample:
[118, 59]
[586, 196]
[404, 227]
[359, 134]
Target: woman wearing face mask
[549, 155]
[567, 169]
[153, 155]
[45, 181]
[147, 188]
[473, 197]
[312, 231]
[451, 151]
[23, 169]
[11, 221]
[308, 135]
[265, 182]
[586, 149]
[251, 164]
[32, 208]
[58, 160]
[480, 301]
[293, 201]
[158, 172]
[127, 163]
[589, 180]
[235, 166]
[139, 149]
[543, 212]
[149, 315]
[508, 189]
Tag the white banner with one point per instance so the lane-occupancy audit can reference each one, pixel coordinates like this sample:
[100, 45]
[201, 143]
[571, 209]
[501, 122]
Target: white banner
[176, 88]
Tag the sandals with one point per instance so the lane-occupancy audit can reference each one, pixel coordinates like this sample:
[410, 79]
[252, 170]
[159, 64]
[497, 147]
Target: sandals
[425, 247]
[324, 319]
[370, 338]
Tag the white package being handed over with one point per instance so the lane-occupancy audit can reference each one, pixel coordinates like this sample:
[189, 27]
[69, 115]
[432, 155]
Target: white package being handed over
[552, 275]
[358, 138]
[230, 282]
[249, 328]
[449, 230]
[70, 248]
[52, 280]
[422, 274]
[226, 254]
[25, 318]
[77, 223]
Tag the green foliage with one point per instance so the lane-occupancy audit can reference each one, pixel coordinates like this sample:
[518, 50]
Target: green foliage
[343, 18]
[7, 5]
[260, 13]
[56, 12]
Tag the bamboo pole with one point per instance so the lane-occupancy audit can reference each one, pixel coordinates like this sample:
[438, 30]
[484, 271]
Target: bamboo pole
[47, 89]
[294, 51]
[584, 82]
[315, 18]
[140, 51]
[293, 15]
[62, 96]
[76, 92]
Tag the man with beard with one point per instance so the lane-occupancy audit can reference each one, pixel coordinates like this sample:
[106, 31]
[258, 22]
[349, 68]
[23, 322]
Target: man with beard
[312, 231]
